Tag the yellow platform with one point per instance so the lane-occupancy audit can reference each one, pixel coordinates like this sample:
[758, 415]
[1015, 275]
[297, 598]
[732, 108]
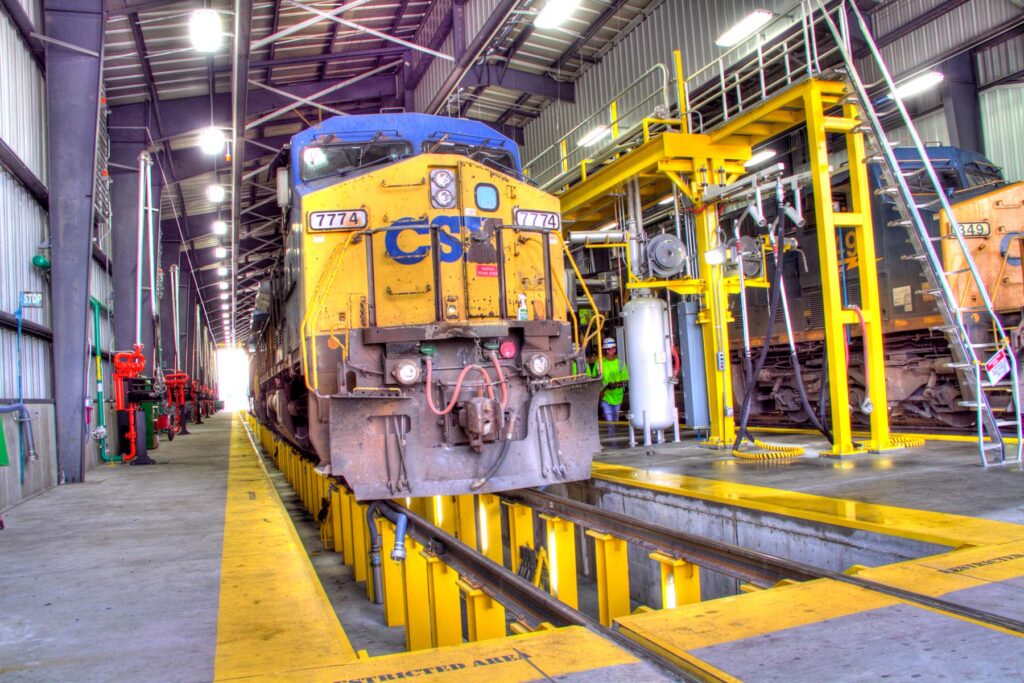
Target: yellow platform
[274, 619]
[572, 653]
[825, 630]
[920, 525]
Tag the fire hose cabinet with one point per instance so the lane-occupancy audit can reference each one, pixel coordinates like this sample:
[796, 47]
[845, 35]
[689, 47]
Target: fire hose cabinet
[151, 409]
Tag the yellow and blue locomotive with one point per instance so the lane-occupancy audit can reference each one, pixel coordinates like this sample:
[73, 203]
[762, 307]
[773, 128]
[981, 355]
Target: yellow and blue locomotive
[420, 336]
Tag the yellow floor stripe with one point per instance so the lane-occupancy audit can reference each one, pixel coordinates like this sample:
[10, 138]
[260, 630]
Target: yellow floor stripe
[274, 616]
[921, 525]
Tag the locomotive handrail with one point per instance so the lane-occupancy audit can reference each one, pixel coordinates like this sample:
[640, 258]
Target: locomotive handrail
[596, 323]
[319, 294]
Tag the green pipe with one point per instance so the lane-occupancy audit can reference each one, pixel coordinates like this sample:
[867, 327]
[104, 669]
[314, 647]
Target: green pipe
[97, 339]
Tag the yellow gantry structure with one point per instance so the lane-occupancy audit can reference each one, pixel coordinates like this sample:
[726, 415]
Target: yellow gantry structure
[692, 161]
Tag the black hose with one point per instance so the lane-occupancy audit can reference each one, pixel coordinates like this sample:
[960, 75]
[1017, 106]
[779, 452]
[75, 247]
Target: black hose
[775, 300]
[748, 393]
[506, 446]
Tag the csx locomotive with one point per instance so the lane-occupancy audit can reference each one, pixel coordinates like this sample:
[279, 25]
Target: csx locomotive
[923, 391]
[419, 337]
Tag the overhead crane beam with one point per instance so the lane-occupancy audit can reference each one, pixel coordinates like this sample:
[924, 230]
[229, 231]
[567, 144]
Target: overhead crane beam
[690, 162]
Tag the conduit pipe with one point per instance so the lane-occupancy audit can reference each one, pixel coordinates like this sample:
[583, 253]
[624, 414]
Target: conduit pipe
[397, 553]
[101, 419]
[25, 423]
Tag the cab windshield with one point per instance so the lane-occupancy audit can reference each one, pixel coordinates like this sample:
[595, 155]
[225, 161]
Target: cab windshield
[495, 157]
[340, 158]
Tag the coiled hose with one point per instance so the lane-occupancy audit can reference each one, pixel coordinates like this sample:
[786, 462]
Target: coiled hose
[770, 451]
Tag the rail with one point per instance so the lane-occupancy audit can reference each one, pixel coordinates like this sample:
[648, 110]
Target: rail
[752, 566]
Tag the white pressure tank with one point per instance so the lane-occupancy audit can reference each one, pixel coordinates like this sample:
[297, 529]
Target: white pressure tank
[652, 400]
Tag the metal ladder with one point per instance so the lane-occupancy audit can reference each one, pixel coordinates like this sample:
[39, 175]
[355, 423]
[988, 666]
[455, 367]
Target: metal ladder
[969, 355]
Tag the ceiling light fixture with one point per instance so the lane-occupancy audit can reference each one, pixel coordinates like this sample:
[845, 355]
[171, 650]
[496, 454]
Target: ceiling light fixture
[222, 271]
[744, 28]
[223, 285]
[215, 193]
[224, 296]
[555, 13]
[211, 141]
[759, 158]
[220, 228]
[220, 252]
[225, 307]
[918, 84]
[593, 136]
[204, 30]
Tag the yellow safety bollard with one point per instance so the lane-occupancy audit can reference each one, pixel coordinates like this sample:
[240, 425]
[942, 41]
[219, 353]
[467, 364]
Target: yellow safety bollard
[612, 576]
[441, 513]
[489, 512]
[360, 548]
[391, 576]
[445, 604]
[562, 559]
[336, 520]
[485, 617]
[680, 581]
[347, 533]
[520, 531]
[417, 598]
[465, 513]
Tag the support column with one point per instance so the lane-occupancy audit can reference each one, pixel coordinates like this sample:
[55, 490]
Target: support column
[445, 604]
[416, 593]
[612, 576]
[72, 94]
[680, 581]
[561, 548]
[490, 526]
[871, 306]
[714, 320]
[831, 292]
[485, 616]
[961, 104]
[520, 531]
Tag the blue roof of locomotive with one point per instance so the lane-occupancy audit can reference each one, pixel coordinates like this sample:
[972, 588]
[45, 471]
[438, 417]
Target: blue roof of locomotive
[415, 128]
[944, 156]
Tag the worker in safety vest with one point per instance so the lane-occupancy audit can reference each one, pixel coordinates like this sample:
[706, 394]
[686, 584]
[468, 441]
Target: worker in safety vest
[614, 375]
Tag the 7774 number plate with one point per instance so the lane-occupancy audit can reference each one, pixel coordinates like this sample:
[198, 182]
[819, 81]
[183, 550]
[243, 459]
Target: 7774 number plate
[337, 220]
[981, 229]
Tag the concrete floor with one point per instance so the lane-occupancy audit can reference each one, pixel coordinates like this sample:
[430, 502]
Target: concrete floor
[118, 578]
[942, 476]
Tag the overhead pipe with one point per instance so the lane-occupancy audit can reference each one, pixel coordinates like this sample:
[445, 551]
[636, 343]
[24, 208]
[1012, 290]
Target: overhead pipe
[145, 163]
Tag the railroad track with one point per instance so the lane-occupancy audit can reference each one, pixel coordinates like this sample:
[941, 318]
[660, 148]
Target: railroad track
[534, 606]
[748, 565]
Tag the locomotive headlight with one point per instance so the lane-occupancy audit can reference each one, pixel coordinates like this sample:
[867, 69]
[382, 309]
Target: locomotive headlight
[538, 365]
[407, 372]
[442, 177]
[442, 188]
[444, 199]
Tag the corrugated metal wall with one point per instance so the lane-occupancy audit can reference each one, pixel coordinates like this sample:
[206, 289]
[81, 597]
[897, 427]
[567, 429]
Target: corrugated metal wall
[22, 94]
[477, 12]
[939, 37]
[691, 27]
[23, 228]
[1002, 115]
